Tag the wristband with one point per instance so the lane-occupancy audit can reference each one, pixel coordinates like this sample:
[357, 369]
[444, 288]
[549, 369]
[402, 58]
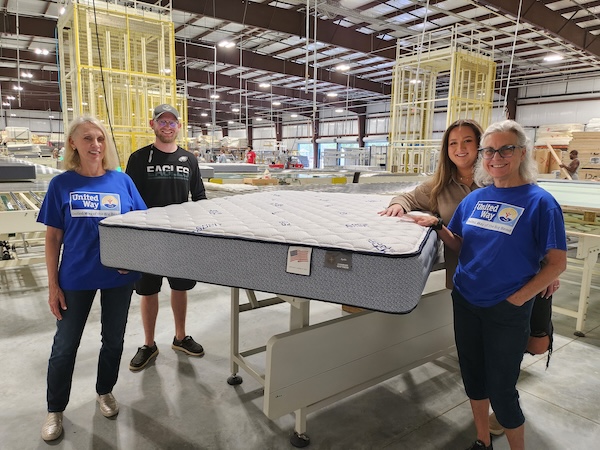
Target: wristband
[438, 226]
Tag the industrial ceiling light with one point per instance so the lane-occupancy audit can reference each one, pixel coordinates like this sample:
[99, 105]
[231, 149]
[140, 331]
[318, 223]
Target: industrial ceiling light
[5, 103]
[226, 44]
[332, 94]
[18, 88]
[214, 96]
[339, 110]
[264, 85]
[235, 110]
[40, 51]
[259, 119]
[293, 116]
[553, 58]
[9, 97]
[276, 103]
[342, 67]
[414, 81]
[204, 114]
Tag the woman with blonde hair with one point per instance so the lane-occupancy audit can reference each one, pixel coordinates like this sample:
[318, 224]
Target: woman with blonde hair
[89, 190]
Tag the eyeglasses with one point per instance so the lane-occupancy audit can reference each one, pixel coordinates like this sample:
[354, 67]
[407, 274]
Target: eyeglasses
[506, 151]
[167, 123]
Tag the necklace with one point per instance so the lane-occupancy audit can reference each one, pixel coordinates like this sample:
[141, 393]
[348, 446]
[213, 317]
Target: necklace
[469, 178]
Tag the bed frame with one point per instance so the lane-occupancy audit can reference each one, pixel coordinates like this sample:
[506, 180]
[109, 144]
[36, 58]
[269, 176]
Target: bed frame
[314, 365]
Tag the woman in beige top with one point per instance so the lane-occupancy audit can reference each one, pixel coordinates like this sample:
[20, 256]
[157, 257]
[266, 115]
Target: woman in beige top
[451, 182]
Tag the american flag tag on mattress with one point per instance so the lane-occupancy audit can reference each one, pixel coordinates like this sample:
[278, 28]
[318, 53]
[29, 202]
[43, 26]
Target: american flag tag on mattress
[298, 260]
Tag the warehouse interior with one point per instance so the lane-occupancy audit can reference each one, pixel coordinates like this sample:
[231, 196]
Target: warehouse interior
[335, 96]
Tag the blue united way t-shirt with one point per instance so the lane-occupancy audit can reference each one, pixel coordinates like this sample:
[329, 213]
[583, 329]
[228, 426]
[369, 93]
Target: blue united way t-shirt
[506, 233]
[75, 204]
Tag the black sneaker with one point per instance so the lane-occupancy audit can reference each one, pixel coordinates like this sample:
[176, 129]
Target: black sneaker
[479, 445]
[143, 356]
[188, 345]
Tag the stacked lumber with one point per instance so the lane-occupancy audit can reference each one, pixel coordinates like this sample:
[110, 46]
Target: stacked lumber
[559, 134]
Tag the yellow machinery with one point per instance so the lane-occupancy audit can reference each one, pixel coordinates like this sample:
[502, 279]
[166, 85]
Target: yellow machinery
[21, 236]
[469, 73]
[117, 63]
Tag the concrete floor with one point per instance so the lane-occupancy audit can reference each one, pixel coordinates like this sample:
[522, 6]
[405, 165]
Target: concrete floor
[181, 402]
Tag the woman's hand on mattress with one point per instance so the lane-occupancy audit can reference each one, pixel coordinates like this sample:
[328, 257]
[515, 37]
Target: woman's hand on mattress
[392, 211]
[425, 220]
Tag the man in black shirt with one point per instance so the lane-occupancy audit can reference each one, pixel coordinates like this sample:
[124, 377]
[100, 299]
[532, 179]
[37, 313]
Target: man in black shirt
[164, 174]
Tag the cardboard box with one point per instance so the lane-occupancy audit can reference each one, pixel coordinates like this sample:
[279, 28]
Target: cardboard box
[589, 159]
[542, 157]
[261, 181]
[589, 174]
[545, 162]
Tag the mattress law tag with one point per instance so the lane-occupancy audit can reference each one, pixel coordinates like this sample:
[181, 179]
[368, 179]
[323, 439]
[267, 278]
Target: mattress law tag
[338, 260]
[298, 260]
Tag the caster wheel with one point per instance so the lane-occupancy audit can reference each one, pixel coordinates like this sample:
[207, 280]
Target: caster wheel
[579, 334]
[234, 380]
[299, 440]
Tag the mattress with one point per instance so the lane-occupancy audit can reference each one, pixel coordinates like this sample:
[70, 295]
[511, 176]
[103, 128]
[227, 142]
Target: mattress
[326, 246]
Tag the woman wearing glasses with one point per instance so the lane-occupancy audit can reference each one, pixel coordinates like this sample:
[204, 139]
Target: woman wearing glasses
[503, 232]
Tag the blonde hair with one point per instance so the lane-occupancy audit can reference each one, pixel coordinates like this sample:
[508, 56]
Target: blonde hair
[446, 168]
[110, 161]
[528, 168]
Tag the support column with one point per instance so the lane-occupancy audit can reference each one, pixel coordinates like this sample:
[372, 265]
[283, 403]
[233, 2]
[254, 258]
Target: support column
[315, 136]
[511, 103]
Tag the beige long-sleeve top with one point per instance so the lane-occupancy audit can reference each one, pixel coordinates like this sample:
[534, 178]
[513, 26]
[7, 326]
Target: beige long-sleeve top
[449, 198]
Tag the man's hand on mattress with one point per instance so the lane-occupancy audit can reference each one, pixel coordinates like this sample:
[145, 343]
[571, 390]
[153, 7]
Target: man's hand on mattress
[392, 211]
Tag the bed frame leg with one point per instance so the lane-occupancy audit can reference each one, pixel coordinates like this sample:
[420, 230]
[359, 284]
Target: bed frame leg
[299, 439]
[235, 379]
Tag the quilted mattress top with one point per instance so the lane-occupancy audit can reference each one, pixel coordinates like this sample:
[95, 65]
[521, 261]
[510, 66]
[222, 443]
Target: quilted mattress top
[316, 219]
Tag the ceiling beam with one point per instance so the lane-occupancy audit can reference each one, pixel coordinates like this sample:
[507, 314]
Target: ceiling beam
[286, 21]
[280, 66]
[539, 15]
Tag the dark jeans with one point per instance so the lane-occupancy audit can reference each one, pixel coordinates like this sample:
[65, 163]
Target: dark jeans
[490, 343]
[114, 309]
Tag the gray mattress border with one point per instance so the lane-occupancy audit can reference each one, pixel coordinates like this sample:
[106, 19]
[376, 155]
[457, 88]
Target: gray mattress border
[380, 282]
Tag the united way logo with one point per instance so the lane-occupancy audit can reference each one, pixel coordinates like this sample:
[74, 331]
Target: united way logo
[110, 202]
[94, 204]
[495, 216]
[507, 215]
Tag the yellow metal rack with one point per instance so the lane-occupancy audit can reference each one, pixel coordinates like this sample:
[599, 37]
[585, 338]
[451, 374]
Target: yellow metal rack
[117, 62]
[444, 69]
